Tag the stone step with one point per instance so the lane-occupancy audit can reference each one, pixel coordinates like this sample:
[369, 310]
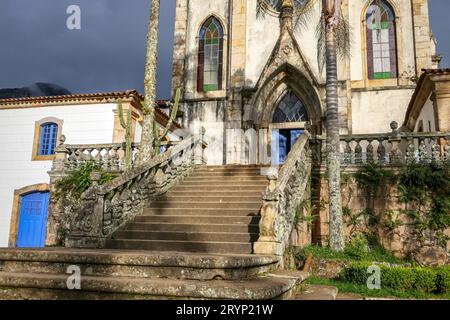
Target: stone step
[201, 211]
[227, 174]
[224, 193]
[219, 182]
[317, 292]
[194, 197]
[188, 236]
[144, 264]
[240, 220]
[190, 227]
[230, 168]
[49, 286]
[255, 205]
[181, 246]
[232, 178]
[219, 188]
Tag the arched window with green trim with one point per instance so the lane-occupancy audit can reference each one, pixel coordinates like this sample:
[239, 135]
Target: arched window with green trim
[381, 41]
[210, 56]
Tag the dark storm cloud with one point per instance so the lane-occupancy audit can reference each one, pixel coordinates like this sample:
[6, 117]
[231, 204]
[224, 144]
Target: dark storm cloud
[108, 53]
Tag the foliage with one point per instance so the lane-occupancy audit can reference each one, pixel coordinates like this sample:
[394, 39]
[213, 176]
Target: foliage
[423, 279]
[376, 253]
[361, 289]
[372, 176]
[78, 181]
[358, 248]
[424, 188]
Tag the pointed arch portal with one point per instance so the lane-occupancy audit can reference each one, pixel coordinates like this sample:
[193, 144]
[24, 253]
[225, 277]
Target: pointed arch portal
[288, 122]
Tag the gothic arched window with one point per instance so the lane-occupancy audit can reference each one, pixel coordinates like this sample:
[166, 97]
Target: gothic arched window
[290, 109]
[381, 41]
[210, 56]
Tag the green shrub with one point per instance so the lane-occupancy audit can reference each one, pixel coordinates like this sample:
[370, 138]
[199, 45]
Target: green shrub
[425, 279]
[443, 279]
[358, 248]
[402, 279]
[355, 273]
[79, 180]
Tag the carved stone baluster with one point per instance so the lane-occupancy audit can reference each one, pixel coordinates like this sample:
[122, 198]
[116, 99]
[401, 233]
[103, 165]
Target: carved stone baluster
[423, 152]
[358, 152]
[396, 155]
[115, 161]
[410, 150]
[73, 159]
[107, 159]
[369, 152]
[435, 151]
[98, 158]
[348, 152]
[381, 152]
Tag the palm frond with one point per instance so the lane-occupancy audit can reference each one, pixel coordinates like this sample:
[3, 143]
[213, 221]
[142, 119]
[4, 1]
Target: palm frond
[343, 40]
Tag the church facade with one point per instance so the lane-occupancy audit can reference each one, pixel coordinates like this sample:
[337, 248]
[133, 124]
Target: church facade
[254, 81]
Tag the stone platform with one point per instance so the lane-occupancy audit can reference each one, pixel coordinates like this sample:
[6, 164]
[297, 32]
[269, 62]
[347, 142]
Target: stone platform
[120, 274]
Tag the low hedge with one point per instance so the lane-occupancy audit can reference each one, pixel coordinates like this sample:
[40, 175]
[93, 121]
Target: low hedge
[432, 280]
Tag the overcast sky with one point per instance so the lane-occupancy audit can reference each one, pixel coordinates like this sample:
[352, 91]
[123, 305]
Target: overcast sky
[108, 53]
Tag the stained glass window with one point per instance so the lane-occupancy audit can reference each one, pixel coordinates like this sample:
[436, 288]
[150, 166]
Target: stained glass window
[290, 109]
[210, 56]
[381, 41]
[49, 133]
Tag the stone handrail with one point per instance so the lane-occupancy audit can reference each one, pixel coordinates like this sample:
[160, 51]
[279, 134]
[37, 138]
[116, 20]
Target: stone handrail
[110, 157]
[106, 207]
[395, 148]
[287, 191]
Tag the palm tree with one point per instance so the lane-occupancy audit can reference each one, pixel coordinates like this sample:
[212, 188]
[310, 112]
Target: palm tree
[333, 40]
[331, 14]
[147, 150]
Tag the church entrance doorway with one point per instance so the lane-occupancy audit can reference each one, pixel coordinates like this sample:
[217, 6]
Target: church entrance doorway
[288, 124]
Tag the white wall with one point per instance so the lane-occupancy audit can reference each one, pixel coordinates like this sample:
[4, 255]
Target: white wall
[83, 124]
[427, 117]
[373, 111]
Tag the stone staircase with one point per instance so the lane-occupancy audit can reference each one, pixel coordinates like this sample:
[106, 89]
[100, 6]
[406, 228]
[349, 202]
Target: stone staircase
[214, 210]
[193, 243]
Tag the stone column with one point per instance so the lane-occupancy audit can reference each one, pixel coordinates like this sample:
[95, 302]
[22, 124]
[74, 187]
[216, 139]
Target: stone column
[179, 45]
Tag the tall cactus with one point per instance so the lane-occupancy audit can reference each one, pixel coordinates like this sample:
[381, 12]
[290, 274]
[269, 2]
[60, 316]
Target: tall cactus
[173, 114]
[127, 125]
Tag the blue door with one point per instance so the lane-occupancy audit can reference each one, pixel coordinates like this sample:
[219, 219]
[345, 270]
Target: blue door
[33, 220]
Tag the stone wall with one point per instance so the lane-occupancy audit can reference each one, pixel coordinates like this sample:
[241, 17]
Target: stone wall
[356, 199]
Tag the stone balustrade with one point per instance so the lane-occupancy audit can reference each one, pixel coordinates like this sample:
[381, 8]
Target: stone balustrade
[287, 191]
[102, 209]
[396, 148]
[109, 157]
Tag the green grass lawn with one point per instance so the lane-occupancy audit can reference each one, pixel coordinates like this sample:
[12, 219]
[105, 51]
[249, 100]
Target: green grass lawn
[346, 287]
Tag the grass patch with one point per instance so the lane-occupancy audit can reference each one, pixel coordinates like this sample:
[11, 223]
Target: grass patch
[373, 254]
[347, 287]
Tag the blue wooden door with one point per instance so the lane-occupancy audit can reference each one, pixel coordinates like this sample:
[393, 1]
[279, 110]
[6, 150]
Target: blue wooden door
[33, 220]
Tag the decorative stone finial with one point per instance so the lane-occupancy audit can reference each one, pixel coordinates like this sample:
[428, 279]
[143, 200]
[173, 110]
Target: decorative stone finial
[62, 139]
[394, 126]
